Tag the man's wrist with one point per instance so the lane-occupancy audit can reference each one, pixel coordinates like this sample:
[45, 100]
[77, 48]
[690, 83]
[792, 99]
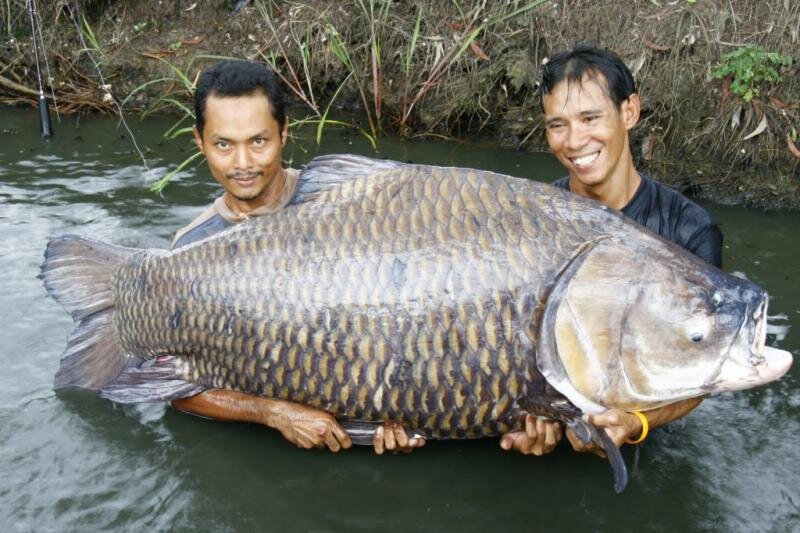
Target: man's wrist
[640, 428]
[266, 413]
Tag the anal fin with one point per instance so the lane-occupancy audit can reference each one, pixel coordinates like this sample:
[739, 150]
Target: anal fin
[361, 432]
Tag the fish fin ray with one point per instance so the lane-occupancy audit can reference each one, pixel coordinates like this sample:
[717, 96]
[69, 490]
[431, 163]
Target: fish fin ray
[361, 432]
[78, 273]
[329, 171]
[150, 382]
[93, 355]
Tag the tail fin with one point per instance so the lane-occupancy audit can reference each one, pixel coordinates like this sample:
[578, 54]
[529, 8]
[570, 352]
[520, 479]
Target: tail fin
[78, 273]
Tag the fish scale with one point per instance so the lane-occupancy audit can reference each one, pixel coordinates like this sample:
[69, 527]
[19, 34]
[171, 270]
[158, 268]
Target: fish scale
[434, 369]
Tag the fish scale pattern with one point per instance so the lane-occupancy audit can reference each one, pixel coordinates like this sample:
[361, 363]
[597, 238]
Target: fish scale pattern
[410, 295]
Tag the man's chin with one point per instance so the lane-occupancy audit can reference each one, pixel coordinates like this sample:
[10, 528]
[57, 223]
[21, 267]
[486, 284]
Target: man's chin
[245, 197]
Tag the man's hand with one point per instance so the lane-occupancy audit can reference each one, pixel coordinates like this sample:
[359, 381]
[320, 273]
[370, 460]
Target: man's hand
[308, 428]
[622, 426]
[539, 437]
[392, 437]
[619, 425]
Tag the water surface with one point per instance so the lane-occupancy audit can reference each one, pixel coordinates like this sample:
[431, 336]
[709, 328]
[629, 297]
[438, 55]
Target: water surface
[72, 462]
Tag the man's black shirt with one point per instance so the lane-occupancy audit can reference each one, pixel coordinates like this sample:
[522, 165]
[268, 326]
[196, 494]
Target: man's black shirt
[674, 217]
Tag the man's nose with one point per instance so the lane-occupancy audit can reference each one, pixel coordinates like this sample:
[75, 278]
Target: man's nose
[576, 137]
[242, 157]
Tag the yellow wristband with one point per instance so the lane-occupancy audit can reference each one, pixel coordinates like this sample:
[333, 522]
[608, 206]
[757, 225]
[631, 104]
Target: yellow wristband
[645, 428]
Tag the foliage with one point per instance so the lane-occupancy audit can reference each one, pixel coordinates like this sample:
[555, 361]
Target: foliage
[446, 69]
[378, 44]
[94, 44]
[749, 68]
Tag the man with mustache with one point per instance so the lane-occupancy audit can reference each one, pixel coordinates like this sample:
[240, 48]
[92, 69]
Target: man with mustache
[241, 128]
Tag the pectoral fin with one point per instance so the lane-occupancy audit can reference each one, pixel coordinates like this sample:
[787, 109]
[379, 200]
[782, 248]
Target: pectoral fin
[588, 433]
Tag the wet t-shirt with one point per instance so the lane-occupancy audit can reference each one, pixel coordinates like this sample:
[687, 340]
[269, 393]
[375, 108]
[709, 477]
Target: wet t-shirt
[218, 216]
[674, 217]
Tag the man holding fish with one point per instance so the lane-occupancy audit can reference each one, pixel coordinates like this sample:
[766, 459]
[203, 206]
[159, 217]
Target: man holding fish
[589, 102]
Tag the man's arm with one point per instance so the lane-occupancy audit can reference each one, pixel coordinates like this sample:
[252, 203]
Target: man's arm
[301, 425]
[541, 436]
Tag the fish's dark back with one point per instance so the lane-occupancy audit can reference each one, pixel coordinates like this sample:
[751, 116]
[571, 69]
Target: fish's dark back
[410, 295]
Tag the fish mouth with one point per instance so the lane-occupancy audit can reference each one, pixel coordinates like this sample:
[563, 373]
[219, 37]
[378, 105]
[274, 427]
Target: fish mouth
[753, 363]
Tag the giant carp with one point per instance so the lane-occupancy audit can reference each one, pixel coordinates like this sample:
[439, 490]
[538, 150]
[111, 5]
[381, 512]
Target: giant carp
[453, 301]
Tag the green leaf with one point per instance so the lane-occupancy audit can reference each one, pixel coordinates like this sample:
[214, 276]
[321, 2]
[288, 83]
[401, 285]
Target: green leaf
[164, 181]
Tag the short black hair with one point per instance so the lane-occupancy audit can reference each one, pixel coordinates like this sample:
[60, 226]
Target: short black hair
[584, 59]
[238, 78]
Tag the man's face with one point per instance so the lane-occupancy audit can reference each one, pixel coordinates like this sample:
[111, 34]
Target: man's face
[242, 143]
[586, 131]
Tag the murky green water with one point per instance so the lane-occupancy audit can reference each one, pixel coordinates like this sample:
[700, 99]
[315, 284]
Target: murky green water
[73, 462]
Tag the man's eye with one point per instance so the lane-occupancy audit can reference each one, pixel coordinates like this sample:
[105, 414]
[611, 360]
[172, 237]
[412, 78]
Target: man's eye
[258, 141]
[592, 118]
[222, 145]
[554, 126]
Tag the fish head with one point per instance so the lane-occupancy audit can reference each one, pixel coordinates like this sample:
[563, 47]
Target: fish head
[639, 326]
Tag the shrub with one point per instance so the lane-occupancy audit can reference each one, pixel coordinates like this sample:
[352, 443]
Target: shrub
[750, 67]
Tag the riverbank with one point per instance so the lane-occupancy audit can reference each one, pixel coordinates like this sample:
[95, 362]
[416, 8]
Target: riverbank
[452, 70]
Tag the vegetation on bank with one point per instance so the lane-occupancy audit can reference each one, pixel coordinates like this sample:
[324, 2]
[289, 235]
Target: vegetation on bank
[718, 78]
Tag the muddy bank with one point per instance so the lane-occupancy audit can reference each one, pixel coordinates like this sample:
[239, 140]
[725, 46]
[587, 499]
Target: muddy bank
[450, 69]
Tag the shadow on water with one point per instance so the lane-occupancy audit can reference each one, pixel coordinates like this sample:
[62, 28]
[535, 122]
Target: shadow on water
[74, 462]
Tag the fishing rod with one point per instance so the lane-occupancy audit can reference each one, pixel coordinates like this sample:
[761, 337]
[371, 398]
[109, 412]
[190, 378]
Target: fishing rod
[44, 111]
[73, 15]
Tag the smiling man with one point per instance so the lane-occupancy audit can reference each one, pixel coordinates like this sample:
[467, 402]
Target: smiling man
[241, 130]
[589, 101]
[590, 105]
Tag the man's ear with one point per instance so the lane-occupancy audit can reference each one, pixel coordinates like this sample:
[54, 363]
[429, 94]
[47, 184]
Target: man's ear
[198, 139]
[285, 132]
[630, 111]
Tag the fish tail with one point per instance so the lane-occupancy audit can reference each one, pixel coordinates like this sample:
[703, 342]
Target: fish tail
[78, 273]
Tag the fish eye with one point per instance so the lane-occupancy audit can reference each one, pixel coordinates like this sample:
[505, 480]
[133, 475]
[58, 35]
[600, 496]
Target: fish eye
[696, 337]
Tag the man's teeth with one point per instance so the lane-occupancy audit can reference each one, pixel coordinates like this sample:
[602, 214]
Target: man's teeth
[585, 160]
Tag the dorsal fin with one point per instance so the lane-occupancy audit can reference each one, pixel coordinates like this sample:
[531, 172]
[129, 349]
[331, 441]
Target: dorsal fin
[328, 171]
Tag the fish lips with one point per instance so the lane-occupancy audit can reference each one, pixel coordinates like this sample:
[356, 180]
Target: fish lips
[734, 374]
